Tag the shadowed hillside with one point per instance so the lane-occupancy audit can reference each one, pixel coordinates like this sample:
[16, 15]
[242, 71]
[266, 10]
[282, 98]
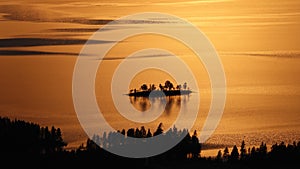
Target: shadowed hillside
[25, 144]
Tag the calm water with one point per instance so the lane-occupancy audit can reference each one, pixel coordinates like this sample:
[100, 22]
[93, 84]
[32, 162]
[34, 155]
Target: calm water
[267, 110]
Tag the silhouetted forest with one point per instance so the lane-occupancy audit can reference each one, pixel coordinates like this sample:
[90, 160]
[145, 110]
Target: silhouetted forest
[28, 145]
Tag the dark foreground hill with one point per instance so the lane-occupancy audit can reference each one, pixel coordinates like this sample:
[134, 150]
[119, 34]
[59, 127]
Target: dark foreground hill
[28, 145]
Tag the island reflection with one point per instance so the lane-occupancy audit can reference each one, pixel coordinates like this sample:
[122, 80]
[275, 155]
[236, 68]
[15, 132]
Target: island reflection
[171, 103]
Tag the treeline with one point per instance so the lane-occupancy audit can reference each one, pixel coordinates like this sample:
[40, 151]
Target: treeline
[187, 147]
[21, 136]
[283, 155]
[28, 145]
[281, 152]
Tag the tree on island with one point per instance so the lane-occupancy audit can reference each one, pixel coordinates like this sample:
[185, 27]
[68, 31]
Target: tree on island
[184, 85]
[152, 87]
[144, 87]
[161, 87]
[169, 85]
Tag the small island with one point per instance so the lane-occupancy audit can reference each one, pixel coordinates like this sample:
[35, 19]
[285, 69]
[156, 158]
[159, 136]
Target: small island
[168, 89]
